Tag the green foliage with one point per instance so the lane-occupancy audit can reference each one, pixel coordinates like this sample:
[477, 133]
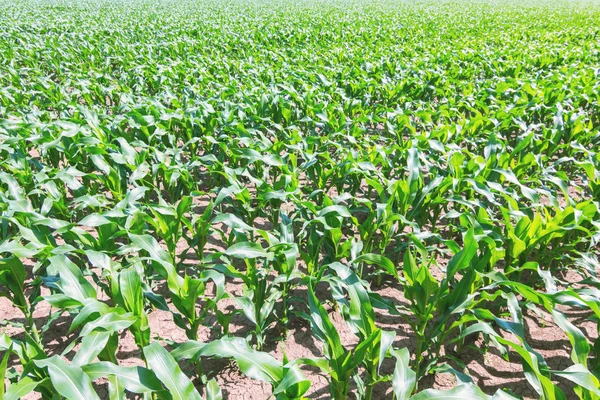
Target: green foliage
[285, 165]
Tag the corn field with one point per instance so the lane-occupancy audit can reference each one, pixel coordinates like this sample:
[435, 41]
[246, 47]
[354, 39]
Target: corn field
[280, 199]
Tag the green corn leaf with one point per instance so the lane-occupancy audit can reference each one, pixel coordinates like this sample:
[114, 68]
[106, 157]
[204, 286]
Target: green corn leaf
[89, 309]
[151, 246]
[462, 259]
[362, 349]
[461, 376]
[404, 379]
[72, 283]
[387, 339]
[581, 376]
[3, 365]
[91, 345]
[22, 388]
[13, 275]
[116, 391]
[294, 384]
[502, 395]
[213, 391]
[461, 392]
[246, 250]
[581, 347]
[69, 381]
[255, 364]
[161, 260]
[130, 286]
[536, 378]
[188, 350]
[322, 326]
[320, 363]
[111, 322]
[166, 369]
[134, 379]
[381, 261]
[410, 267]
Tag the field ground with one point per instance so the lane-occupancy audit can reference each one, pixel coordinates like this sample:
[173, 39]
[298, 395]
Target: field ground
[280, 199]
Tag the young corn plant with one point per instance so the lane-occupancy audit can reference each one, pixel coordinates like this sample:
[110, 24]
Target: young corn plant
[260, 293]
[339, 364]
[440, 307]
[199, 230]
[324, 231]
[360, 315]
[286, 379]
[185, 290]
[13, 275]
[170, 222]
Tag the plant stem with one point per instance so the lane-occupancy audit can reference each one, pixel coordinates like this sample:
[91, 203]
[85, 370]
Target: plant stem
[32, 327]
[371, 383]
[369, 392]
[418, 360]
[340, 390]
